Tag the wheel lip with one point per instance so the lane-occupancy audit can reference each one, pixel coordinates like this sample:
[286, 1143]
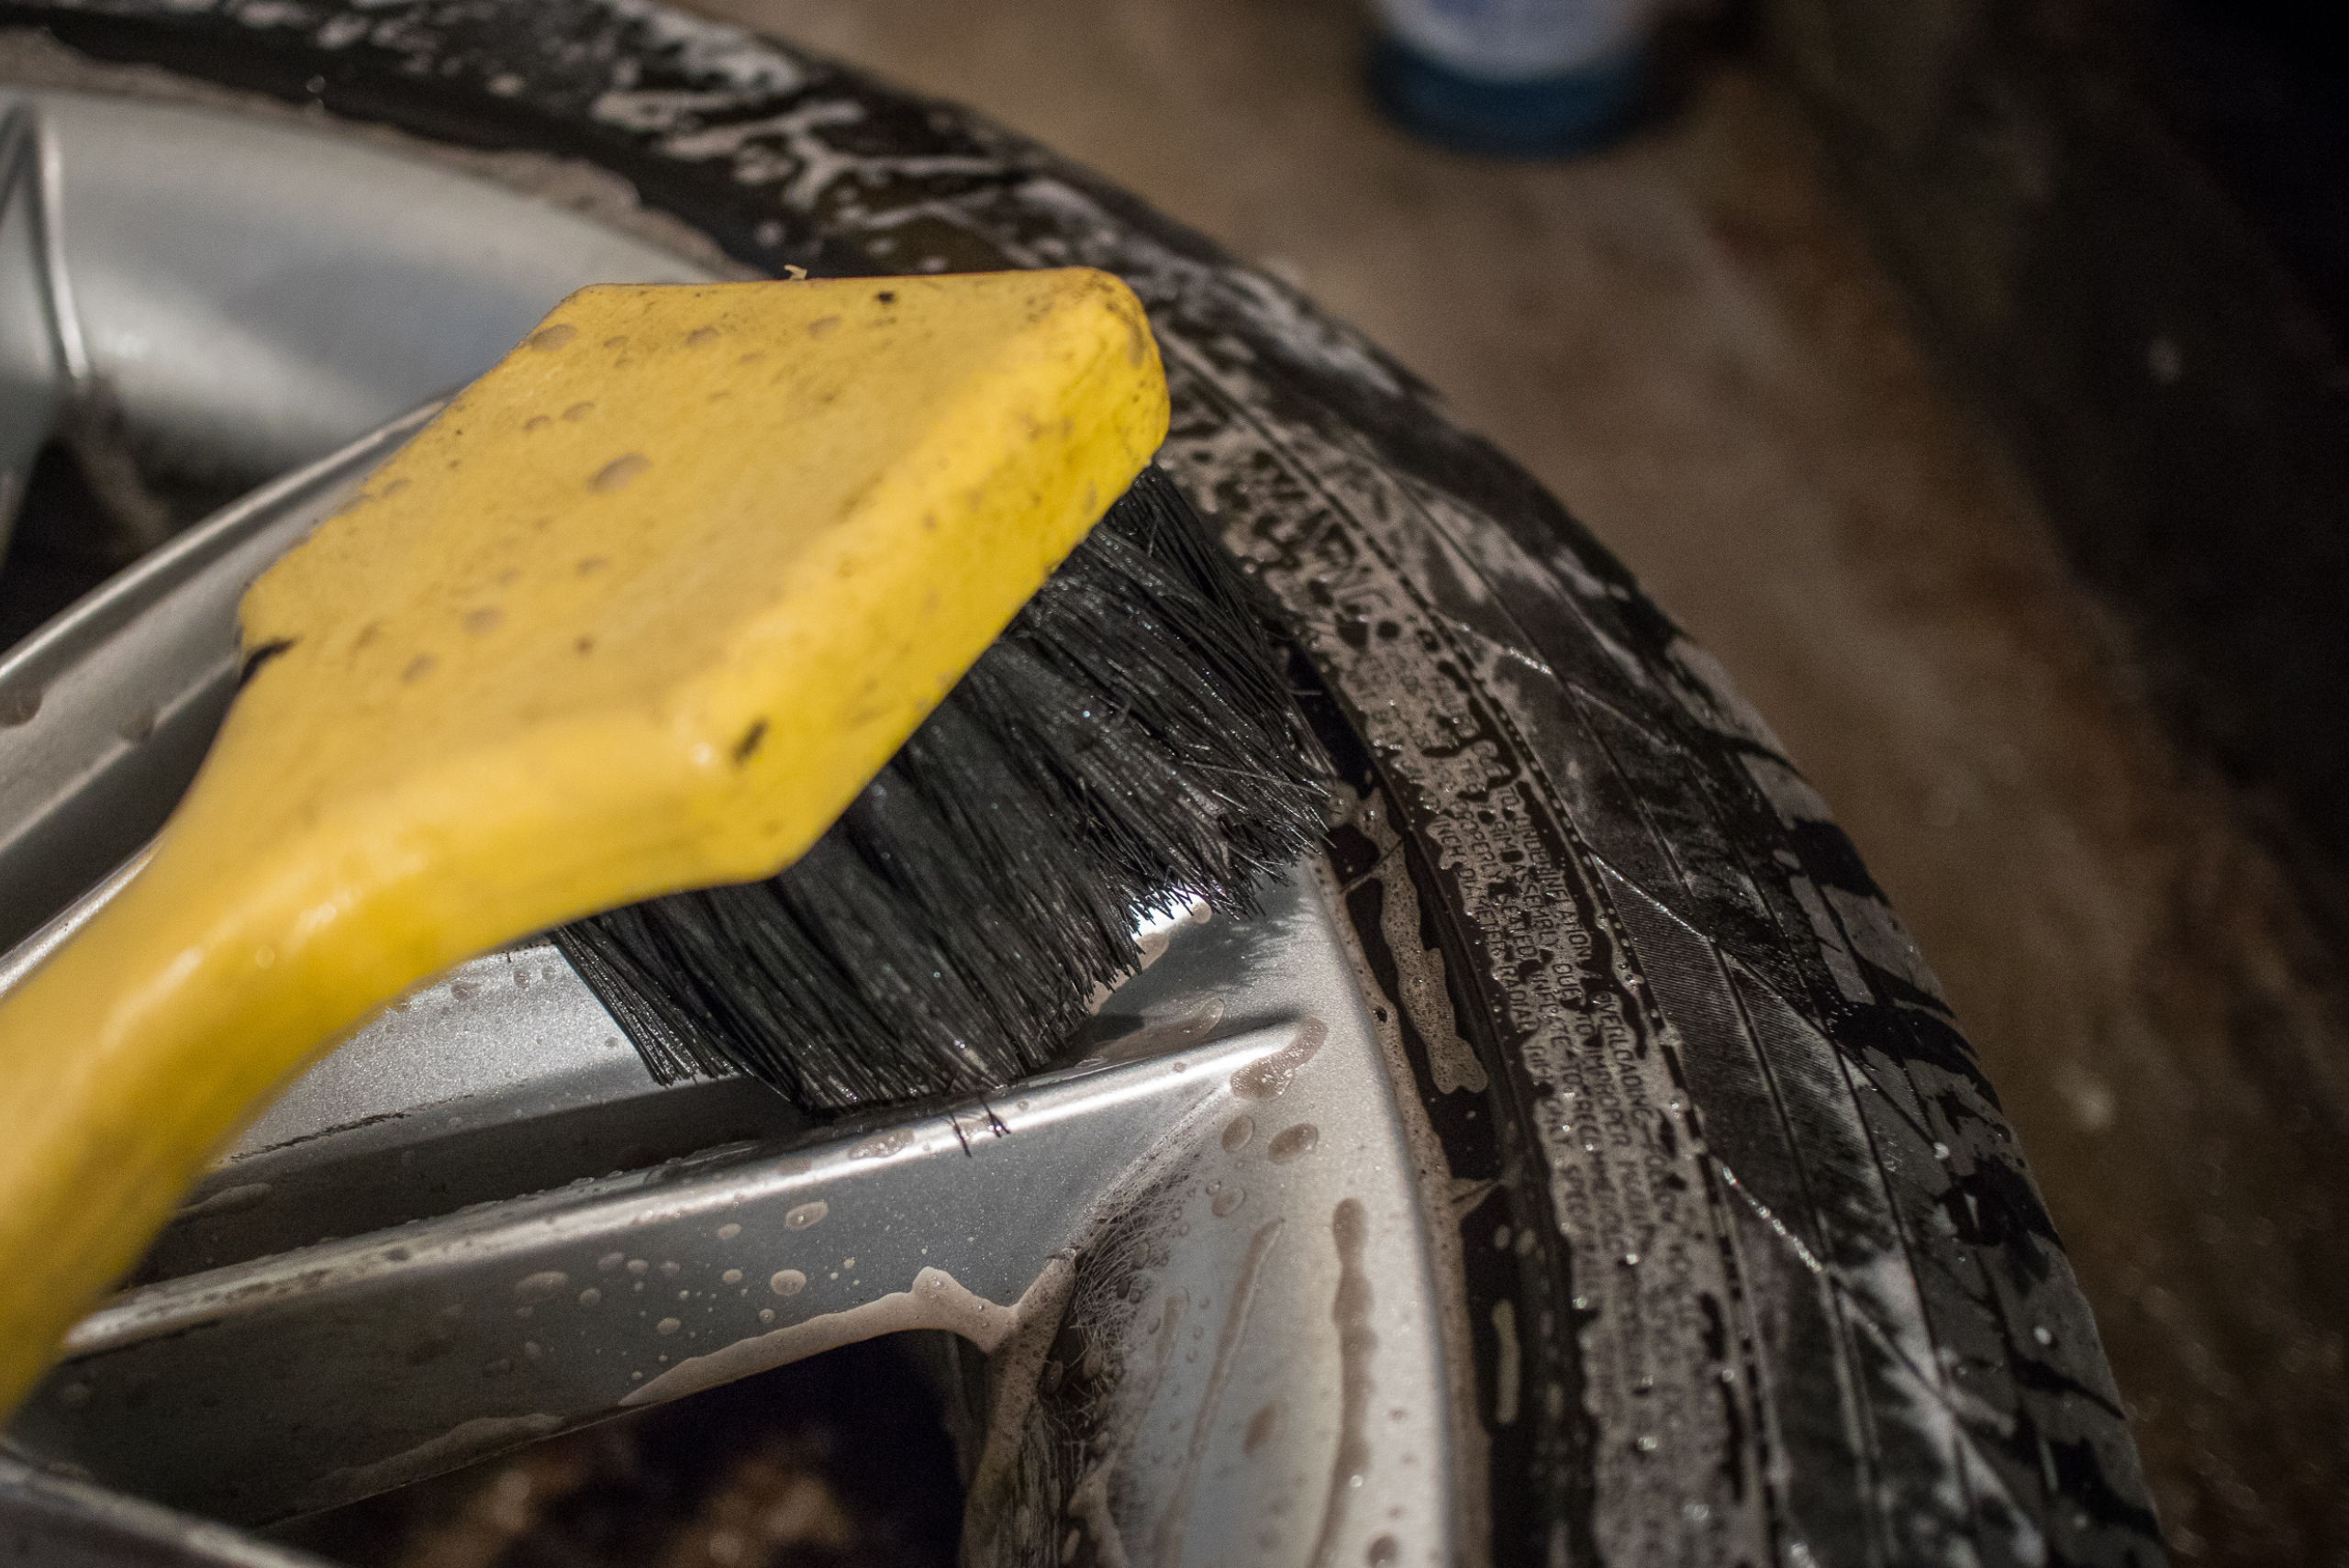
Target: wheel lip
[230, 331]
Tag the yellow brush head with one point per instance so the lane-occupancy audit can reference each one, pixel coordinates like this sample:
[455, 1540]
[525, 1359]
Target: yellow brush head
[681, 574]
[642, 609]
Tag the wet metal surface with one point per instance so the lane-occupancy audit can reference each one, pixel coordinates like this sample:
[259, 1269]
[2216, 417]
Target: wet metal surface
[59, 1523]
[187, 253]
[1281, 1272]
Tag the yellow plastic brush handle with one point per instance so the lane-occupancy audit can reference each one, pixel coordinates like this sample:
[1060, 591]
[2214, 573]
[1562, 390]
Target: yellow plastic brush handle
[642, 610]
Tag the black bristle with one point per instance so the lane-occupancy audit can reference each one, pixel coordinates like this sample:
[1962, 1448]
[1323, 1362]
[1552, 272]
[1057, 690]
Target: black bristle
[1127, 746]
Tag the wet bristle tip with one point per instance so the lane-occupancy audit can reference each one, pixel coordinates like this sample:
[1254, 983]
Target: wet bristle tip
[1128, 746]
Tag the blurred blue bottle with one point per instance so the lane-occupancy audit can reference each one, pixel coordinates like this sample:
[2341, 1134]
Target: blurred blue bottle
[1517, 78]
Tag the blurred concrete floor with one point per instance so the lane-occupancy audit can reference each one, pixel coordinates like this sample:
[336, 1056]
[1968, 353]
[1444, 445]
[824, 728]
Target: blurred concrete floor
[1690, 340]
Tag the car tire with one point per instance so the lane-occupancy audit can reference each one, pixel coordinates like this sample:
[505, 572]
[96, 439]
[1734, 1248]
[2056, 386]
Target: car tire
[1748, 1266]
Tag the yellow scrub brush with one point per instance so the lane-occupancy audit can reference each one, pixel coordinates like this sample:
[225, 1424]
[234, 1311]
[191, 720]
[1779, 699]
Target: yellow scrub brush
[642, 610]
